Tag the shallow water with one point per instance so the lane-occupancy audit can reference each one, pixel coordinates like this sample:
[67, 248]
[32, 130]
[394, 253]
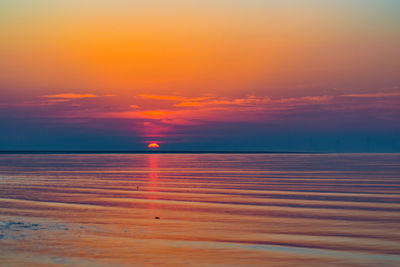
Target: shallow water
[214, 210]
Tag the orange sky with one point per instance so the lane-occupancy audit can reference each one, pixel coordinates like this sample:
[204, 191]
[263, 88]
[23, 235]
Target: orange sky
[180, 62]
[195, 48]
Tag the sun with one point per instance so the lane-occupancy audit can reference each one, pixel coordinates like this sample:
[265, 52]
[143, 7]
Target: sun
[153, 145]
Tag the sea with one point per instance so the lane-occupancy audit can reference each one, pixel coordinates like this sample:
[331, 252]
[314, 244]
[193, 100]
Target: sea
[199, 209]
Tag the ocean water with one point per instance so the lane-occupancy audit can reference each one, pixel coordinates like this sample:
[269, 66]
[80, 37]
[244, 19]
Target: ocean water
[200, 210]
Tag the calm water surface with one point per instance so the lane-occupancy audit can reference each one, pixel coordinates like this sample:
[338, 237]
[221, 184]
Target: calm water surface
[214, 210]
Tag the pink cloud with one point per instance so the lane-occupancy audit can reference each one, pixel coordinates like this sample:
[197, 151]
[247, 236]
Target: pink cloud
[251, 100]
[194, 110]
[70, 96]
[171, 97]
[374, 95]
[317, 98]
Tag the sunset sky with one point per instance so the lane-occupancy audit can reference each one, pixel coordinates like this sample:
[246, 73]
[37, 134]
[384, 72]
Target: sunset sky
[302, 75]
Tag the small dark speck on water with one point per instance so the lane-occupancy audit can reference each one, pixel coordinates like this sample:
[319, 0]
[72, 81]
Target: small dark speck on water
[157, 218]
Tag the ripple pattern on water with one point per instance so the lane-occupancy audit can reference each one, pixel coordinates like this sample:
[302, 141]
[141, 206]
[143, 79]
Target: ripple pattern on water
[225, 209]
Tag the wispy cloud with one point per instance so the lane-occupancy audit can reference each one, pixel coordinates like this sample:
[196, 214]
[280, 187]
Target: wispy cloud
[171, 97]
[251, 100]
[373, 95]
[162, 117]
[70, 96]
[191, 111]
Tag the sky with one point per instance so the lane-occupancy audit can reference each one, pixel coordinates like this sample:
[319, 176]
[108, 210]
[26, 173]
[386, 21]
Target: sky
[256, 75]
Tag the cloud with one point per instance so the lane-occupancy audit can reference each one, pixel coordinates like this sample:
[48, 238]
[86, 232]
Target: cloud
[70, 96]
[190, 104]
[373, 95]
[248, 101]
[211, 108]
[304, 100]
[317, 98]
[156, 120]
[171, 97]
[253, 101]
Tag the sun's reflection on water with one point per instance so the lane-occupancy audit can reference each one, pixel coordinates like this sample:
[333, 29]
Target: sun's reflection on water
[153, 175]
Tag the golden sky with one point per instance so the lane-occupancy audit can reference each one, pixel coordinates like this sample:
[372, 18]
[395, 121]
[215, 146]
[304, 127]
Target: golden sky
[181, 62]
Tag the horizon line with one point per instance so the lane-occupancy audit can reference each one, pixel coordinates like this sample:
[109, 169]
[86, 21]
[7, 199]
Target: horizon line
[77, 151]
[61, 151]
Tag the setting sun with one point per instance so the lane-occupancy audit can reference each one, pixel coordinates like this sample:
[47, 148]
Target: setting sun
[153, 145]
